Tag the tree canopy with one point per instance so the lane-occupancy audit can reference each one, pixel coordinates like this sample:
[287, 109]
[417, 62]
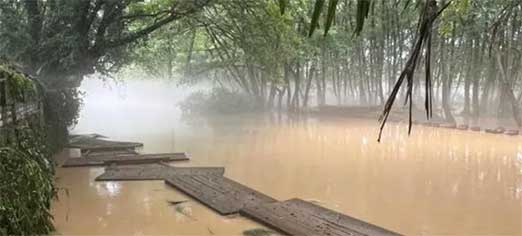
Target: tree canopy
[62, 40]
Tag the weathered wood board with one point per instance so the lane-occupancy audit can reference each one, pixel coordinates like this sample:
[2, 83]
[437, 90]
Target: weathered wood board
[88, 143]
[218, 192]
[103, 160]
[181, 156]
[74, 137]
[298, 217]
[154, 172]
[109, 153]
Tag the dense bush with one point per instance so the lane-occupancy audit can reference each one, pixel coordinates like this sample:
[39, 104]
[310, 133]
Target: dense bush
[27, 188]
[62, 109]
[219, 101]
[26, 167]
[20, 87]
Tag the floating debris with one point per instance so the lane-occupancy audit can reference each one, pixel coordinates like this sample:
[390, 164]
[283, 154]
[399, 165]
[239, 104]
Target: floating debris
[184, 210]
[210, 231]
[463, 127]
[174, 203]
[258, 232]
[499, 130]
[512, 132]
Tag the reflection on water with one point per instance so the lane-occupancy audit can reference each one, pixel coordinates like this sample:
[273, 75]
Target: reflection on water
[435, 182]
[109, 189]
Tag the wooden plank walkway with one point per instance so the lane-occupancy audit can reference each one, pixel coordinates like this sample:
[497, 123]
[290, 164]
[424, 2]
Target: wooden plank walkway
[211, 188]
[298, 217]
[74, 137]
[126, 159]
[159, 171]
[219, 193]
[107, 153]
[94, 144]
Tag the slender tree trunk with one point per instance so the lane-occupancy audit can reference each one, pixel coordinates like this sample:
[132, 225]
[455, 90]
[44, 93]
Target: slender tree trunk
[508, 91]
[446, 87]
[287, 87]
[310, 76]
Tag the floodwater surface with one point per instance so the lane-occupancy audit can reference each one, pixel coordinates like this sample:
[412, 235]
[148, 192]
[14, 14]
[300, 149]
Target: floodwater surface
[434, 182]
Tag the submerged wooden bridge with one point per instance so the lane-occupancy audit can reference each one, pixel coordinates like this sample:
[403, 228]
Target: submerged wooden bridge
[209, 186]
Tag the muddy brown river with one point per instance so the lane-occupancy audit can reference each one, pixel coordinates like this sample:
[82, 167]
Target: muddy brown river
[434, 182]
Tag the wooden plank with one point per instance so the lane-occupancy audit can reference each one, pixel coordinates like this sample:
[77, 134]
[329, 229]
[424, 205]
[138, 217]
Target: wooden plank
[113, 152]
[103, 160]
[154, 172]
[217, 192]
[83, 162]
[298, 217]
[177, 156]
[95, 144]
[77, 137]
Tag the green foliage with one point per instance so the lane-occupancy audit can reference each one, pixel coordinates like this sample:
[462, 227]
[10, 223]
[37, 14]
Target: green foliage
[26, 167]
[332, 8]
[219, 101]
[363, 9]
[19, 86]
[169, 52]
[66, 104]
[282, 5]
[27, 187]
[455, 17]
[318, 8]
[61, 40]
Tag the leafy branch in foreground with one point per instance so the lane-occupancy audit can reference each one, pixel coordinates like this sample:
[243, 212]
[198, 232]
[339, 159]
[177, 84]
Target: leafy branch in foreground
[363, 9]
[423, 39]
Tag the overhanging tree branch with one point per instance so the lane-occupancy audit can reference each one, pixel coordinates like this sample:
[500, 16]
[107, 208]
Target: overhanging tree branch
[174, 15]
[428, 17]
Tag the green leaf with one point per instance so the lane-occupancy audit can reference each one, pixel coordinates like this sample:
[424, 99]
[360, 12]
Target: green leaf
[330, 16]
[318, 8]
[282, 6]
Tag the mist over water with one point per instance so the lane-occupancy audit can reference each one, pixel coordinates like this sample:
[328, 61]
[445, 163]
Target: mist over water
[284, 95]
[133, 107]
[435, 182]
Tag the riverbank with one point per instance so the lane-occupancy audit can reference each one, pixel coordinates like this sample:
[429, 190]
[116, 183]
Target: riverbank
[484, 125]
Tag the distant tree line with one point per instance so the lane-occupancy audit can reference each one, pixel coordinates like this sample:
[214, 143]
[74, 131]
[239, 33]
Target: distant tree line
[475, 54]
[268, 50]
